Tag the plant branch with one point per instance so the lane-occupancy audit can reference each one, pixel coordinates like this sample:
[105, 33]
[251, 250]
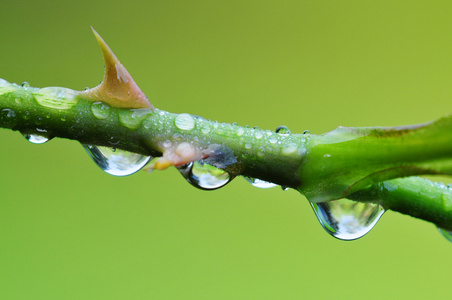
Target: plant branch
[341, 163]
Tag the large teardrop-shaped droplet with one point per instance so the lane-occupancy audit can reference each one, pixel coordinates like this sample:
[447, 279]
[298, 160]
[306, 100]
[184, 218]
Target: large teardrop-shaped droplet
[446, 233]
[260, 183]
[115, 161]
[346, 219]
[204, 176]
[35, 138]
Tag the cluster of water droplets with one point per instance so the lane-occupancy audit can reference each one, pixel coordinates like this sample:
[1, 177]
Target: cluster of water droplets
[346, 219]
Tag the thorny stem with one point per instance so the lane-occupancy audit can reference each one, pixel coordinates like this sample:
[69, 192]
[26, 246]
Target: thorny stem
[345, 162]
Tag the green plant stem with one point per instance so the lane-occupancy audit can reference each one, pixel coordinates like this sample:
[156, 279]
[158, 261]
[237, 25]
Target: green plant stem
[322, 167]
[414, 196]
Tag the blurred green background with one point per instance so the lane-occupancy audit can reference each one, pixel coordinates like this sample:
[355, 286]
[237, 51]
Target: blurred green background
[70, 231]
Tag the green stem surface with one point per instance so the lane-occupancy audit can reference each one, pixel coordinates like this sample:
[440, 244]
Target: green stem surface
[346, 162]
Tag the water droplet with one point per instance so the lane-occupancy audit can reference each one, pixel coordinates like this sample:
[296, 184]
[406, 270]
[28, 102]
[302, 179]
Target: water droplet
[446, 233]
[116, 161]
[38, 120]
[8, 116]
[272, 139]
[260, 183]
[26, 115]
[283, 130]
[240, 131]
[205, 129]
[86, 88]
[56, 97]
[167, 144]
[134, 117]
[290, 148]
[100, 110]
[346, 219]
[185, 122]
[258, 135]
[248, 145]
[204, 176]
[35, 138]
[25, 84]
[306, 132]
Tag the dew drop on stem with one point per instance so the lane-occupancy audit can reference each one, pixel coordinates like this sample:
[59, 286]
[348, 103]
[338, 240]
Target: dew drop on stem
[283, 130]
[100, 110]
[260, 183]
[346, 219]
[35, 138]
[116, 161]
[204, 176]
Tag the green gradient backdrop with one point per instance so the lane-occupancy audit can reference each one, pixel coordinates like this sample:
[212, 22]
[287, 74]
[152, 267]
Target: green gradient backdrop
[69, 231]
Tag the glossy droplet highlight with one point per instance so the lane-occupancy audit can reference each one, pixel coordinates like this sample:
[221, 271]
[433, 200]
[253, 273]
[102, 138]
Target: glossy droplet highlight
[115, 161]
[260, 183]
[185, 122]
[35, 138]
[100, 110]
[346, 219]
[204, 176]
[134, 117]
[446, 233]
[283, 130]
[56, 97]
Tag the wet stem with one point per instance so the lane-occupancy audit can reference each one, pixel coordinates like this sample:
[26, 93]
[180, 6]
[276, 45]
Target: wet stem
[360, 164]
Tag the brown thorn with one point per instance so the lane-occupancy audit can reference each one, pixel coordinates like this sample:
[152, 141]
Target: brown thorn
[118, 88]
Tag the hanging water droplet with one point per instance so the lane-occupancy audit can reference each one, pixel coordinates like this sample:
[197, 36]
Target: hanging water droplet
[306, 132]
[185, 122]
[35, 138]
[260, 183]
[100, 110]
[346, 219]
[283, 130]
[204, 176]
[446, 233]
[116, 161]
